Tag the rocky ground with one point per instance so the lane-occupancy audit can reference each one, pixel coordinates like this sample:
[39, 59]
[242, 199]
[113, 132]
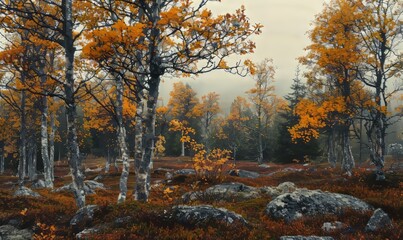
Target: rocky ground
[270, 201]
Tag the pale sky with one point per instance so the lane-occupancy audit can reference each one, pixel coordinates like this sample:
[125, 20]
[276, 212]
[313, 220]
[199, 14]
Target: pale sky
[283, 40]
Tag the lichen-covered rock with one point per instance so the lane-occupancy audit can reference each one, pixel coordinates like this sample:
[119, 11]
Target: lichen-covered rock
[233, 191]
[202, 215]
[285, 187]
[282, 188]
[8, 232]
[83, 217]
[378, 220]
[302, 202]
[305, 238]
[188, 171]
[244, 173]
[223, 192]
[25, 192]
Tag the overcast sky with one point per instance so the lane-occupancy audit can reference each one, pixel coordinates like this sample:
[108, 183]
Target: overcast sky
[283, 40]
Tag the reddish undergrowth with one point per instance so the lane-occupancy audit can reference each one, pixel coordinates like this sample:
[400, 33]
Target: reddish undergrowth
[147, 221]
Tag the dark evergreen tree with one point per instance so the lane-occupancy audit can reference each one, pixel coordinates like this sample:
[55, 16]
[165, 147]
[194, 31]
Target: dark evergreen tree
[287, 150]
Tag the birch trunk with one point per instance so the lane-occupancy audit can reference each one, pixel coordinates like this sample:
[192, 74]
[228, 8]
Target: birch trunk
[73, 150]
[23, 137]
[138, 152]
[52, 146]
[348, 159]
[376, 148]
[260, 149]
[144, 167]
[108, 161]
[47, 172]
[331, 148]
[121, 135]
[31, 158]
[182, 148]
[1, 164]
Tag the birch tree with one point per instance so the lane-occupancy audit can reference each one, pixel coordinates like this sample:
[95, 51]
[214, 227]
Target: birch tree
[335, 56]
[208, 109]
[382, 39]
[55, 21]
[262, 96]
[180, 38]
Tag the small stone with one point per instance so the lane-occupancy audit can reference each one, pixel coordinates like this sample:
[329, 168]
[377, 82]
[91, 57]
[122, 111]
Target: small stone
[264, 166]
[305, 238]
[243, 173]
[378, 220]
[162, 170]
[169, 175]
[188, 171]
[88, 231]
[332, 226]
[99, 169]
[25, 192]
[39, 184]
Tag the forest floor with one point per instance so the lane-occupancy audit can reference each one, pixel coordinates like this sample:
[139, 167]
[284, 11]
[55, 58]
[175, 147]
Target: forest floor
[49, 215]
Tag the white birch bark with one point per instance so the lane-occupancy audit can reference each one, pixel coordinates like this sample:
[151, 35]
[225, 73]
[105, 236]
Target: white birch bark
[121, 134]
[45, 145]
[47, 167]
[138, 152]
[348, 158]
[182, 148]
[52, 145]
[73, 150]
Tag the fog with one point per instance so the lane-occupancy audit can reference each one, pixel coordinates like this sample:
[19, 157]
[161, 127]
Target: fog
[283, 39]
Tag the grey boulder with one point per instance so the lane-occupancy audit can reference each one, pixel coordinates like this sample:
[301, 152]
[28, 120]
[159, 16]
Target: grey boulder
[223, 192]
[203, 214]
[8, 232]
[302, 202]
